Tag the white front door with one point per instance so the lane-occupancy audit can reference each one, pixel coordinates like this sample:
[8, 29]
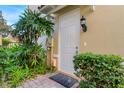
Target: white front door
[69, 26]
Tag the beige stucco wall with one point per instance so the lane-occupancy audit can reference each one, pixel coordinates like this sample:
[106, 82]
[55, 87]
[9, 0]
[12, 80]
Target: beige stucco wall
[105, 32]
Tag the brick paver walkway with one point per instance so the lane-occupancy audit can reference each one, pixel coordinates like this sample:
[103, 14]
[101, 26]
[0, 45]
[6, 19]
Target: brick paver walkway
[41, 82]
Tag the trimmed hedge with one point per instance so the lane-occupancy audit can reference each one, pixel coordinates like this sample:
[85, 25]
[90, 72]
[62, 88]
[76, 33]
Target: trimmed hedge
[100, 71]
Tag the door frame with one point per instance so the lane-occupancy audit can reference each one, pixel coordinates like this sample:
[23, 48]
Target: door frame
[59, 37]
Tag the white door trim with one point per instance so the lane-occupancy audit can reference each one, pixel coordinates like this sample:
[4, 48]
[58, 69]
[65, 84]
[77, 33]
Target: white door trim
[59, 43]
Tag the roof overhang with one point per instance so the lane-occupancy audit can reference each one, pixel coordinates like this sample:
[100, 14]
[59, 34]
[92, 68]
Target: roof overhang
[49, 9]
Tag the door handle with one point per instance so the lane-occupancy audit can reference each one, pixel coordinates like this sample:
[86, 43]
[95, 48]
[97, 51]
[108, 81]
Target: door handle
[76, 49]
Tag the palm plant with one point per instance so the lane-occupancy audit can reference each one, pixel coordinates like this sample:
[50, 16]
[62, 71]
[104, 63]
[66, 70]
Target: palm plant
[31, 26]
[28, 29]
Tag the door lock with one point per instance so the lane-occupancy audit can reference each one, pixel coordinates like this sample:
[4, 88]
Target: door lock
[76, 50]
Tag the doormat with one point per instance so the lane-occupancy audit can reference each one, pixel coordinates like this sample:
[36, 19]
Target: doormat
[64, 80]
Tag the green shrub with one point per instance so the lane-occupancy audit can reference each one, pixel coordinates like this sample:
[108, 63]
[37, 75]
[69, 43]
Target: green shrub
[21, 62]
[87, 84]
[41, 69]
[17, 75]
[5, 41]
[3, 63]
[101, 71]
[31, 56]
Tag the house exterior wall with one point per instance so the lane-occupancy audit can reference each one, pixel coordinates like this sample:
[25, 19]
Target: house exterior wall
[105, 32]
[104, 35]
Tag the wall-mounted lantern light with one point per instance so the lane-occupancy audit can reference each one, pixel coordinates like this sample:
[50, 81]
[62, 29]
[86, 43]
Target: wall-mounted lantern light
[83, 24]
